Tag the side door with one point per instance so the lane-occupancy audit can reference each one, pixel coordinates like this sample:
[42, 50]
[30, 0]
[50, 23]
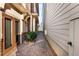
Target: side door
[74, 37]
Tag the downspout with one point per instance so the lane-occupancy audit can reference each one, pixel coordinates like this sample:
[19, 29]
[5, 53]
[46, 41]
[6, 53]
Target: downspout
[44, 16]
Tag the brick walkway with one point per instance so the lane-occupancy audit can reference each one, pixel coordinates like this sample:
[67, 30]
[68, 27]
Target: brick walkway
[38, 48]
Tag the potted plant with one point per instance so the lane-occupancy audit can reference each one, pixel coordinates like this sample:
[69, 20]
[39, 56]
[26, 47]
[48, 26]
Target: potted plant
[31, 37]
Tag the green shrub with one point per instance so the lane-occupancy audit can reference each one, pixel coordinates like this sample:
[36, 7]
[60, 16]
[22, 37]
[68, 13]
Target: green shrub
[31, 36]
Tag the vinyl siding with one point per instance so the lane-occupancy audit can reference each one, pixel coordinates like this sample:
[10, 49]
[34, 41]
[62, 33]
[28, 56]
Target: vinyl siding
[57, 20]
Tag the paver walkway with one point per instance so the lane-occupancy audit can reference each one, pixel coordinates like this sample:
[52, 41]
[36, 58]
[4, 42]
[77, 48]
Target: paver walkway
[39, 48]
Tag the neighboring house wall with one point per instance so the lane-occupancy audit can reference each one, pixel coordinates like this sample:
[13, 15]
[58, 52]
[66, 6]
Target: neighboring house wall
[57, 20]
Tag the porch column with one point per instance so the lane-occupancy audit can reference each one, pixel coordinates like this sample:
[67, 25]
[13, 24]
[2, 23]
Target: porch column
[21, 30]
[34, 24]
[35, 7]
[31, 23]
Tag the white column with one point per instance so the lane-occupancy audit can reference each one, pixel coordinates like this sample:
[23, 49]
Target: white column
[29, 7]
[34, 24]
[21, 30]
[34, 7]
[31, 23]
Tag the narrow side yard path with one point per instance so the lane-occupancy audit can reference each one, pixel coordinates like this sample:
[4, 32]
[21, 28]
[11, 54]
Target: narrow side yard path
[39, 48]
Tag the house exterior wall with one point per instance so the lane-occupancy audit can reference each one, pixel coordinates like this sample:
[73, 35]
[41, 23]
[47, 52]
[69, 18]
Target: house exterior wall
[21, 31]
[0, 31]
[57, 20]
[13, 13]
[28, 6]
[12, 52]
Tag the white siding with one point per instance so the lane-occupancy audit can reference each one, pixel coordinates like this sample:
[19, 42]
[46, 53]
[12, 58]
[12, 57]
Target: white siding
[57, 22]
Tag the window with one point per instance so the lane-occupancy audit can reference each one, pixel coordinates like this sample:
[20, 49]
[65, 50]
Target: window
[7, 33]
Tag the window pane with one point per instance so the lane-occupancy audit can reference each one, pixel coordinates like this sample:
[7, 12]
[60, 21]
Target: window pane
[7, 33]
